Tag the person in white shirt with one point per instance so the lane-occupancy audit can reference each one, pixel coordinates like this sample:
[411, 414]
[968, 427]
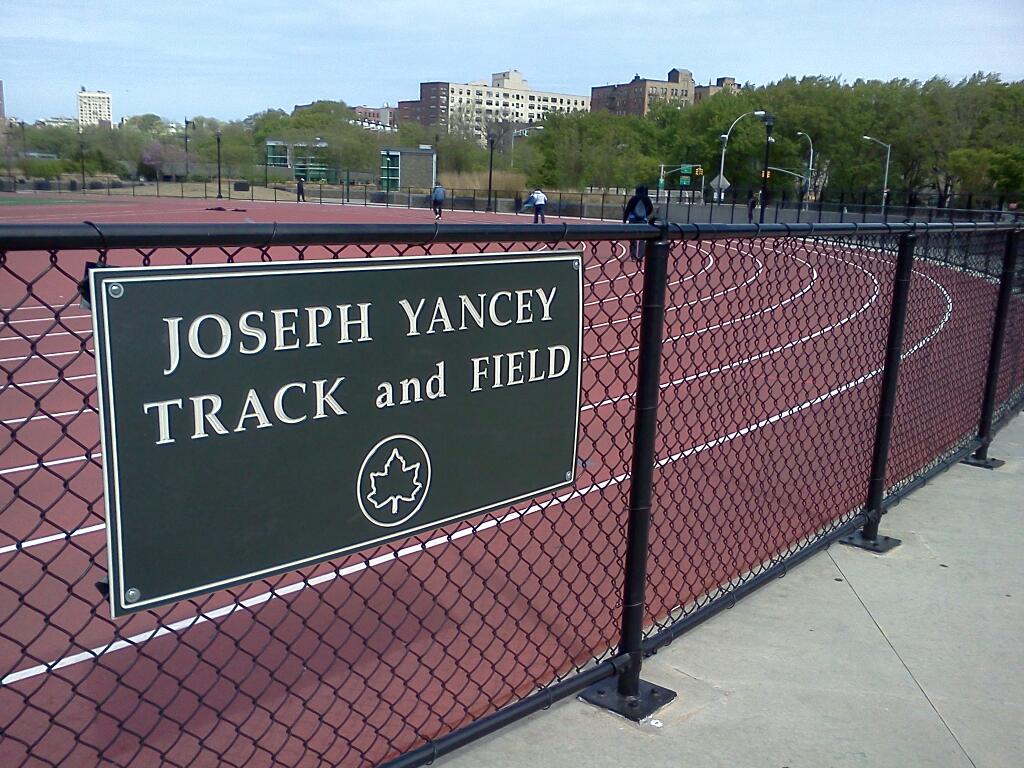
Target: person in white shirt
[538, 200]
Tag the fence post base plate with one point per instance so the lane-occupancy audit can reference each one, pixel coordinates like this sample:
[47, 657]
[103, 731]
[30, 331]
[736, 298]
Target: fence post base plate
[606, 696]
[986, 463]
[879, 545]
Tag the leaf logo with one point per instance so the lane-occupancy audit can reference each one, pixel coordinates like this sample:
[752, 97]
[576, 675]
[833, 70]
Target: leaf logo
[398, 482]
[393, 481]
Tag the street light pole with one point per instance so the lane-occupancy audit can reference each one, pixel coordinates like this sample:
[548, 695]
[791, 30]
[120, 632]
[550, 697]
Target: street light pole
[219, 195]
[81, 155]
[885, 179]
[810, 164]
[725, 145]
[490, 169]
[769, 124]
[187, 123]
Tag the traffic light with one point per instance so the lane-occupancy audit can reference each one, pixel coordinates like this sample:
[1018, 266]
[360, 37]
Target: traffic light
[766, 174]
[698, 171]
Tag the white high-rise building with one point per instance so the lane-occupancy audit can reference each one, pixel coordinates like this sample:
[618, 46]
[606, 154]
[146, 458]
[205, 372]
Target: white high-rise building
[94, 108]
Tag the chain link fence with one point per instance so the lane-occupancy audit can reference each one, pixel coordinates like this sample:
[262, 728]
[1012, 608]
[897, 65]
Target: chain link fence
[772, 360]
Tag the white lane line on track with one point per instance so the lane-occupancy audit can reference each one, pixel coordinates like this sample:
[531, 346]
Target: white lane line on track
[58, 319]
[52, 463]
[55, 537]
[45, 356]
[86, 337]
[40, 382]
[470, 530]
[24, 419]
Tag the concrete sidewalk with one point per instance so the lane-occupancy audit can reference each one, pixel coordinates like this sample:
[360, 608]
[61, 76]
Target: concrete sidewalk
[911, 659]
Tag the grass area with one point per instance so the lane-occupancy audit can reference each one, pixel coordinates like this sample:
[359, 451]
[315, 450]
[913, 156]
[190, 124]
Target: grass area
[9, 199]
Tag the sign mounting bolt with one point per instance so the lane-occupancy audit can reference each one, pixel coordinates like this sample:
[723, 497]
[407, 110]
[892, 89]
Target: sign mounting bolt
[568, 475]
[131, 595]
[575, 263]
[116, 290]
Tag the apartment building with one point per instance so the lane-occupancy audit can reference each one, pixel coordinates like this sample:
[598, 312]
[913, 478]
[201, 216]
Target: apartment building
[638, 95]
[94, 108]
[383, 115]
[729, 84]
[641, 93]
[473, 107]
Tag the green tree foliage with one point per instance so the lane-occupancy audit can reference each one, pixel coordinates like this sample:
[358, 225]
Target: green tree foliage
[946, 138]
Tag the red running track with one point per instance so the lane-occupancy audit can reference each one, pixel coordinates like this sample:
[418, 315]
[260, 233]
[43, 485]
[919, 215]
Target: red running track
[770, 385]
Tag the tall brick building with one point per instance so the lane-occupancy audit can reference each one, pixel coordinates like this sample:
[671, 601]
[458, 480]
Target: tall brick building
[638, 95]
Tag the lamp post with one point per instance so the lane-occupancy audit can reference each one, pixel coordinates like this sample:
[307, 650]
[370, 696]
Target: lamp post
[187, 124]
[725, 145]
[81, 155]
[885, 180]
[219, 195]
[769, 124]
[810, 165]
[490, 168]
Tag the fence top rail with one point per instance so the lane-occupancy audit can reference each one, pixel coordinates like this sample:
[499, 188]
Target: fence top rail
[87, 235]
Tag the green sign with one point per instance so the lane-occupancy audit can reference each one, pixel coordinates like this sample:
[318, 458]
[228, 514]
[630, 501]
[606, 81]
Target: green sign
[257, 418]
[686, 169]
[684, 181]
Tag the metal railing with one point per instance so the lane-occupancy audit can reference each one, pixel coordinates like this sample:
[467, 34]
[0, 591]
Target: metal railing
[750, 395]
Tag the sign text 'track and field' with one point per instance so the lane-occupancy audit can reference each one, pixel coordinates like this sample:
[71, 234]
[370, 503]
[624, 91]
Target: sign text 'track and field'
[259, 418]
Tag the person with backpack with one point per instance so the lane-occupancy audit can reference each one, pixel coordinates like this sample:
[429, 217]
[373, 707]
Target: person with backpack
[638, 210]
[437, 200]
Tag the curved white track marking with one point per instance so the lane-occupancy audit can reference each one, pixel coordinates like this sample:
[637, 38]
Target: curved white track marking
[469, 530]
[766, 353]
[706, 267]
[730, 321]
[716, 295]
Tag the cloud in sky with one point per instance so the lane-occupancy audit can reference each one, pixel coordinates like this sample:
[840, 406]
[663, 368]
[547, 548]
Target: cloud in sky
[232, 58]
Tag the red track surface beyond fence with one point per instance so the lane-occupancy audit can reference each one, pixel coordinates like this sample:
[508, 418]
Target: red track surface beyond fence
[770, 370]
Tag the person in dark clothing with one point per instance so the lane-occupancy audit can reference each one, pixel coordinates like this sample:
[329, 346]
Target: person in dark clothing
[300, 192]
[638, 210]
[437, 200]
[751, 205]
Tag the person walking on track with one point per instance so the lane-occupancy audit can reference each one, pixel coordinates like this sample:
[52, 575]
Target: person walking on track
[638, 211]
[437, 200]
[300, 192]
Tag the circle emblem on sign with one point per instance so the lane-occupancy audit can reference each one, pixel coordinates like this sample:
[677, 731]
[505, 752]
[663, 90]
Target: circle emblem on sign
[393, 480]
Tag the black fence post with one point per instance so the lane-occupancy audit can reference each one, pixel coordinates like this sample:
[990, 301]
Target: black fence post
[980, 457]
[867, 537]
[630, 696]
[602, 205]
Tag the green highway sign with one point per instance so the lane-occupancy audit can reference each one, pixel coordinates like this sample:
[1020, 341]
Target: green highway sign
[686, 169]
[684, 181]
[257, 418]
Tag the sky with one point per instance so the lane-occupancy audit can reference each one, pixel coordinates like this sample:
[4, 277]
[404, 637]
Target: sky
[229, 59]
